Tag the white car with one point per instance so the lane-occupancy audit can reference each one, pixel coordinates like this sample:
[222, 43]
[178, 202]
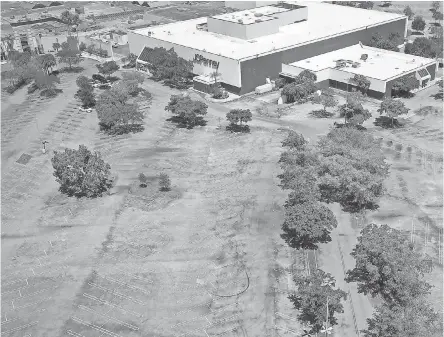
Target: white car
[85, 109]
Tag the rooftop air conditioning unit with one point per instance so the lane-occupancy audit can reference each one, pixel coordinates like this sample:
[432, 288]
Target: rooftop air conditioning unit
[364, 57]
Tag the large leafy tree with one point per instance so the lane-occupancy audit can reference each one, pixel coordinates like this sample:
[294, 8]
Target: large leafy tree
[81, 172]
[362, 82]
[299, 90]
[115, 110]
[69, 55]
[418, 23]
[85, 92]
[417, 319]
[326, 99]
[188, 111]
[315, 292]
[352, 169]
[166, 65]
[422, 47]
[387, 265]
[108, 68]
[390, 43]
[294, 140]
[353, 111]
[308, 224]
[239, 116]
[69, 19]
[47, 61]
[44, 81]
[403, 86]
[408, 12]
[392, 108]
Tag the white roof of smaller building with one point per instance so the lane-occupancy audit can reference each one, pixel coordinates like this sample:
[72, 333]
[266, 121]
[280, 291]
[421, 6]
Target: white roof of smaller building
[381, 64]
[251, 15]
[324, 21]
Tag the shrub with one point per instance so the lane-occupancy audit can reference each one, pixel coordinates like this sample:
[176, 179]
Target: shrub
[82, 46]
[99, 78]
[81, 172]
[164, 182]
[143, 180]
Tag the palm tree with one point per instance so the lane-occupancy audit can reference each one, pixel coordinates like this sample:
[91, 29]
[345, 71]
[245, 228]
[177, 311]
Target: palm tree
[214, 75]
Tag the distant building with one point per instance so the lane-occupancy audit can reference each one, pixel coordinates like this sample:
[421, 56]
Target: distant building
[250, 46]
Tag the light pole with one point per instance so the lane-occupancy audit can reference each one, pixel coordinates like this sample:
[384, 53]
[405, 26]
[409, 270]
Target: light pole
[327, 330]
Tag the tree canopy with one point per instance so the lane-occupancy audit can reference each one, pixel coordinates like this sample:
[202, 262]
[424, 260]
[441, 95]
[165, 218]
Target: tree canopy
[167, 66]
[47, 61]
[352, 169]
[418, 23]
[326, 99]
[239, 116]
[294, 140]
[311, 299]
[189, 112]
[408, 12]
[387, 265]
[392, 108]
[362, 82]
[418, 319]
[108, 68]
[422, 47]
[308, 224]
[81, 173]
[69, 55]
[353, 111]
[390, 43]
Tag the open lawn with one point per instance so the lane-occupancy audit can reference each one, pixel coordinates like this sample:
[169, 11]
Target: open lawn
[204, 259]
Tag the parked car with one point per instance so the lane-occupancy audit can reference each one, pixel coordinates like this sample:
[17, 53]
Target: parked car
[85, 109]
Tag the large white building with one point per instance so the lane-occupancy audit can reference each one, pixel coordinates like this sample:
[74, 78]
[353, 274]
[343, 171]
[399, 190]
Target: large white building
[248, 46]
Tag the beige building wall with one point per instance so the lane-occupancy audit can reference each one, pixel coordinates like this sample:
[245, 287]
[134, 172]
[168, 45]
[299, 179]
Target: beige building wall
[344, 76]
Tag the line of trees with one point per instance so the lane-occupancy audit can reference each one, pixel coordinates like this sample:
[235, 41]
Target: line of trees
[346, 167]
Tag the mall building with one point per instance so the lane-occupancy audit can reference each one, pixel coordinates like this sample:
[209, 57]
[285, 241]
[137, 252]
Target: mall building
[251, 46]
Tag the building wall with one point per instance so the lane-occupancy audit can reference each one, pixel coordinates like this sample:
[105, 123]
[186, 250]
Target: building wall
[263, 28]
[256, 70]
[432, 71]
[342, 75]
[228, 68]
[242, 31]
[289, 17]
[241, 5]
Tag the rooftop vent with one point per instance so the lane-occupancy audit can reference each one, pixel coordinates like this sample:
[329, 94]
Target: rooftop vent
[364, 57]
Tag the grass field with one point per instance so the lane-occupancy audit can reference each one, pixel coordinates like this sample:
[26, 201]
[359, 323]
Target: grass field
[204, 259]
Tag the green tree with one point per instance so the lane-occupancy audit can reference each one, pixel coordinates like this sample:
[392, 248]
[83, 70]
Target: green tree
[353, 111]
[56, 46]
[418, 23]
[164, 182]
[133, 76]
[326, 99]
[387, 265]
[390, 43]
[83, 81]
[108, 68]
[46, 83]
[69, 55]
[311, 299]
[308, 224]
[143, 179]
[47, 61]
[186, 110]
[352, 169]
[114, 110]
[81, 172]
[69, 20]
[239, 116]
[362, 82]
[418, 319]
[392, 108]
[294, 140]
[85, 92]
[436, 5]
[422, 47]
[437, 16]
[408, 12]
[297, 91]
[82, 46]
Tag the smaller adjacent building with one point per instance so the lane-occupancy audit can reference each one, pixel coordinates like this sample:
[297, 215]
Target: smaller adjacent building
[381, 67]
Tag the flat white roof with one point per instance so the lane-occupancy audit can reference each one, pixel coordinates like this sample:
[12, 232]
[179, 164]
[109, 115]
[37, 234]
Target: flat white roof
[324, 20]
[248, 16]
[380, 64]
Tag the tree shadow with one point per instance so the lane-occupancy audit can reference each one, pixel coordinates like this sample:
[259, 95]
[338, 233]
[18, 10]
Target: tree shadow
[436, 24]
[185, 124]
[402, 94]
[438, 96]
[50, 93]
[238, 128]
[385, 5]
[358, 127]
[417, 33]
[321, 113]
[113, 79]
[386, 122]
[116, 130]
[74, 70]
